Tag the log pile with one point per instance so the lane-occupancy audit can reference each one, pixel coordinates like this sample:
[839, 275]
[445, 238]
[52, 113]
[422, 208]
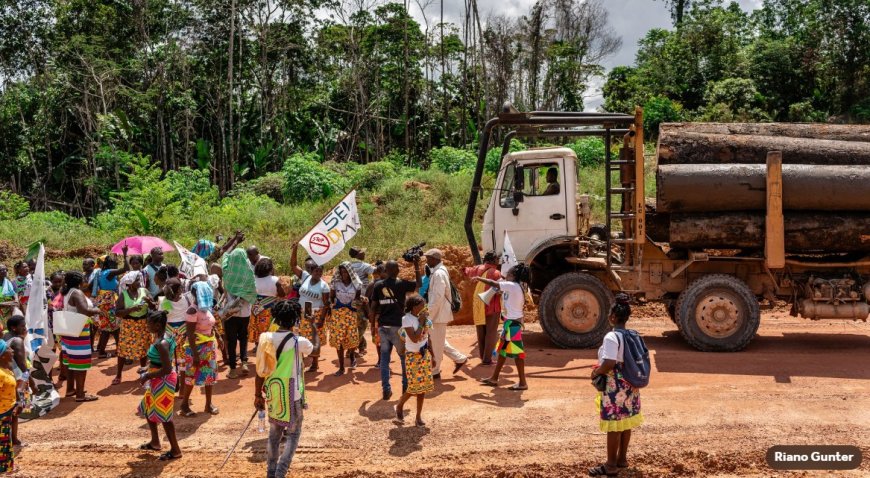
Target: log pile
[711, 180]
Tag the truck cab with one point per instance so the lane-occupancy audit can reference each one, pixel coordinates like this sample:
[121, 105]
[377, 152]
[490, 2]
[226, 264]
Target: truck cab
[534, 201]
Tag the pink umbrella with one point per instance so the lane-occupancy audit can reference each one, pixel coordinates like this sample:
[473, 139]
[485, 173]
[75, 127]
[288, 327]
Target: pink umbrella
[141, 245]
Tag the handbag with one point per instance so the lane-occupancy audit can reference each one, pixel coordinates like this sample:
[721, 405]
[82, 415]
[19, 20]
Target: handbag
[600, 383]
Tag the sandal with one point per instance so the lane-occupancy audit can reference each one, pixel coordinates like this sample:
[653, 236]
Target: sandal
[490, 382]
[168, 456]
[187, 413]
[339, 373]
[148, 447]
[518, 387]
[88, 398]
[70, 394]
[601, 470]
[116, 381]
[212, 410]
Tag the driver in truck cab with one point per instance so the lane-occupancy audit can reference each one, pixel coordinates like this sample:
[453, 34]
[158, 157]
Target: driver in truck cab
[552, 183]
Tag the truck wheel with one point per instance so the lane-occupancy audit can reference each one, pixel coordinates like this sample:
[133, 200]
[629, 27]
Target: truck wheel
[718, 313]
[573, 310]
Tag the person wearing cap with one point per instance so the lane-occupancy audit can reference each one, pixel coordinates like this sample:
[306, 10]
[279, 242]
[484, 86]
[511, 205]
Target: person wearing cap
[363, 271]
[486, 316]
[441, 313]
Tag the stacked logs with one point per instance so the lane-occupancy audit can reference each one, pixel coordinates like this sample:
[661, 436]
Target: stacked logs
[711, 181]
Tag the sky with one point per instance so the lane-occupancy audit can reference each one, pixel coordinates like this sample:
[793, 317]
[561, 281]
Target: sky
[630, 19]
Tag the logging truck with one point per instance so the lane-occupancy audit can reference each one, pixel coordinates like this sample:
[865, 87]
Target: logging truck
[744, 215]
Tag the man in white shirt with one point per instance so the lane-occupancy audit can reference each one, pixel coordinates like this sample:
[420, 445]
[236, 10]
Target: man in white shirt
[441, 313]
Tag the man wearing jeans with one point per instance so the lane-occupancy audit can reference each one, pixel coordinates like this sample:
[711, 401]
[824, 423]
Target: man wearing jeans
[388, 307]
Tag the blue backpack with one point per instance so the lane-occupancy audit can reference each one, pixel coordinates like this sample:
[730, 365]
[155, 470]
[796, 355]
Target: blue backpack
[635, 365]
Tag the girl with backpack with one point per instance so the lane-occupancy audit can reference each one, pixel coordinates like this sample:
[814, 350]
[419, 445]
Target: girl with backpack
[618, 400]
[510, 344]
[280, 385]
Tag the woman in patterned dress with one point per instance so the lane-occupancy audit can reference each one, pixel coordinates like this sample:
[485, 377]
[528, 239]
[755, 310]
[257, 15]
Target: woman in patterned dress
[105, 292]
[419, 359]
[200, 352]
[342, 324]
[132, 306]
[160, 382]
[314, 297]
[619, 403]
[9, 407]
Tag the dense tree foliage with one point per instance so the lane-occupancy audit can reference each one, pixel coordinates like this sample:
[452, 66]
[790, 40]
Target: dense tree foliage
[236, 88]
[790, 60]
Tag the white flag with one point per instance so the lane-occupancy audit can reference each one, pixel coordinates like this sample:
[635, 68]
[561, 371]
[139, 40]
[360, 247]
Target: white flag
[508, 258]
[36, 317]
[191, 264]
[329, 237]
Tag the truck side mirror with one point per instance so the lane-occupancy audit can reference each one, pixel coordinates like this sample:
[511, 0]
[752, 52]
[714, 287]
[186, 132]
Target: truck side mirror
[519, 184]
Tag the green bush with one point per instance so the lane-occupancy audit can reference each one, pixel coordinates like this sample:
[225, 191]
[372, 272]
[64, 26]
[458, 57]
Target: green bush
[804, 112]
[12, 206]
[589, 151]
[659, 110]
[270, 185]
[451, 160]
[371, 175]
[307, 179]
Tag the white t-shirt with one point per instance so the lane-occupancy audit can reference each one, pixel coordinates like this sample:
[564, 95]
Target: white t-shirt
[513, 300]
[267, 286]
[344, 293]
[409, 320]
[611, 349]
[244, 306]
[176, 312]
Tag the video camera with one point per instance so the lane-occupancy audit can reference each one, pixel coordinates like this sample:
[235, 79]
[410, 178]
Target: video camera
[414, 252]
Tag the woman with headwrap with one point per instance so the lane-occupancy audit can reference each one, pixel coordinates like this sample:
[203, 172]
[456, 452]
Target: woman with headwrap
[77, 350]
[342, 324]
[269, 291]
[10, 405]
[132, 306]
[105, 291]
[203, 248]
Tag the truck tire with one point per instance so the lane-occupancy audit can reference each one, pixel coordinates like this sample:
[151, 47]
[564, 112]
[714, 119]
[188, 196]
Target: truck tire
[718, 313]
[597, 231]
[573, 310]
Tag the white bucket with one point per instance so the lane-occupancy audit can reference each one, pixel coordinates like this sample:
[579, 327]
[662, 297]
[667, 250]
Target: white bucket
[69, 324]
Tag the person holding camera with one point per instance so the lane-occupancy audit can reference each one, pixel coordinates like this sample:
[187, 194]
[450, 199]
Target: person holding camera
[441, 313]
[388, 308]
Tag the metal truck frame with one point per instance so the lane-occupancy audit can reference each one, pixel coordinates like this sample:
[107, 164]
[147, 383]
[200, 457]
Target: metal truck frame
[714, 299]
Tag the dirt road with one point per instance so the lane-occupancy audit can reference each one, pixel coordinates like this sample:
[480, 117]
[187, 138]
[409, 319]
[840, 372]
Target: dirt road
[706, 415]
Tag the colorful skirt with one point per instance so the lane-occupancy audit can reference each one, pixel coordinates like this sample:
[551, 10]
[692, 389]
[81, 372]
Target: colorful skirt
[261, 317]
[510, 343]
[7, 453]
[418, 372]
[106, 301]
[76, 351]
[157, 405]
[343, 329]
[204, 373]
[178, 333]
[619, 404]
[134, 339]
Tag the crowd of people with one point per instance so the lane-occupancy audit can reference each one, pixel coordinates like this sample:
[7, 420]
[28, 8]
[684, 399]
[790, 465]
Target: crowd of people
[172, 321]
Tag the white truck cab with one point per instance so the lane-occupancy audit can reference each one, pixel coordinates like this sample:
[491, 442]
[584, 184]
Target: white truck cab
[534, 201]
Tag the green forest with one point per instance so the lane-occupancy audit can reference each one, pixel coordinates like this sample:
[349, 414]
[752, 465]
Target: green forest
[178, 117]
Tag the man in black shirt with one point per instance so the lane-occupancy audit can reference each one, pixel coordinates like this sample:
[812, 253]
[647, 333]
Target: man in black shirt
[388, 307]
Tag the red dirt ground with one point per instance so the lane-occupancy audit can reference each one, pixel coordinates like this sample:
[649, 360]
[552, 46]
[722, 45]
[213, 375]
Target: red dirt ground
[798, 382]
